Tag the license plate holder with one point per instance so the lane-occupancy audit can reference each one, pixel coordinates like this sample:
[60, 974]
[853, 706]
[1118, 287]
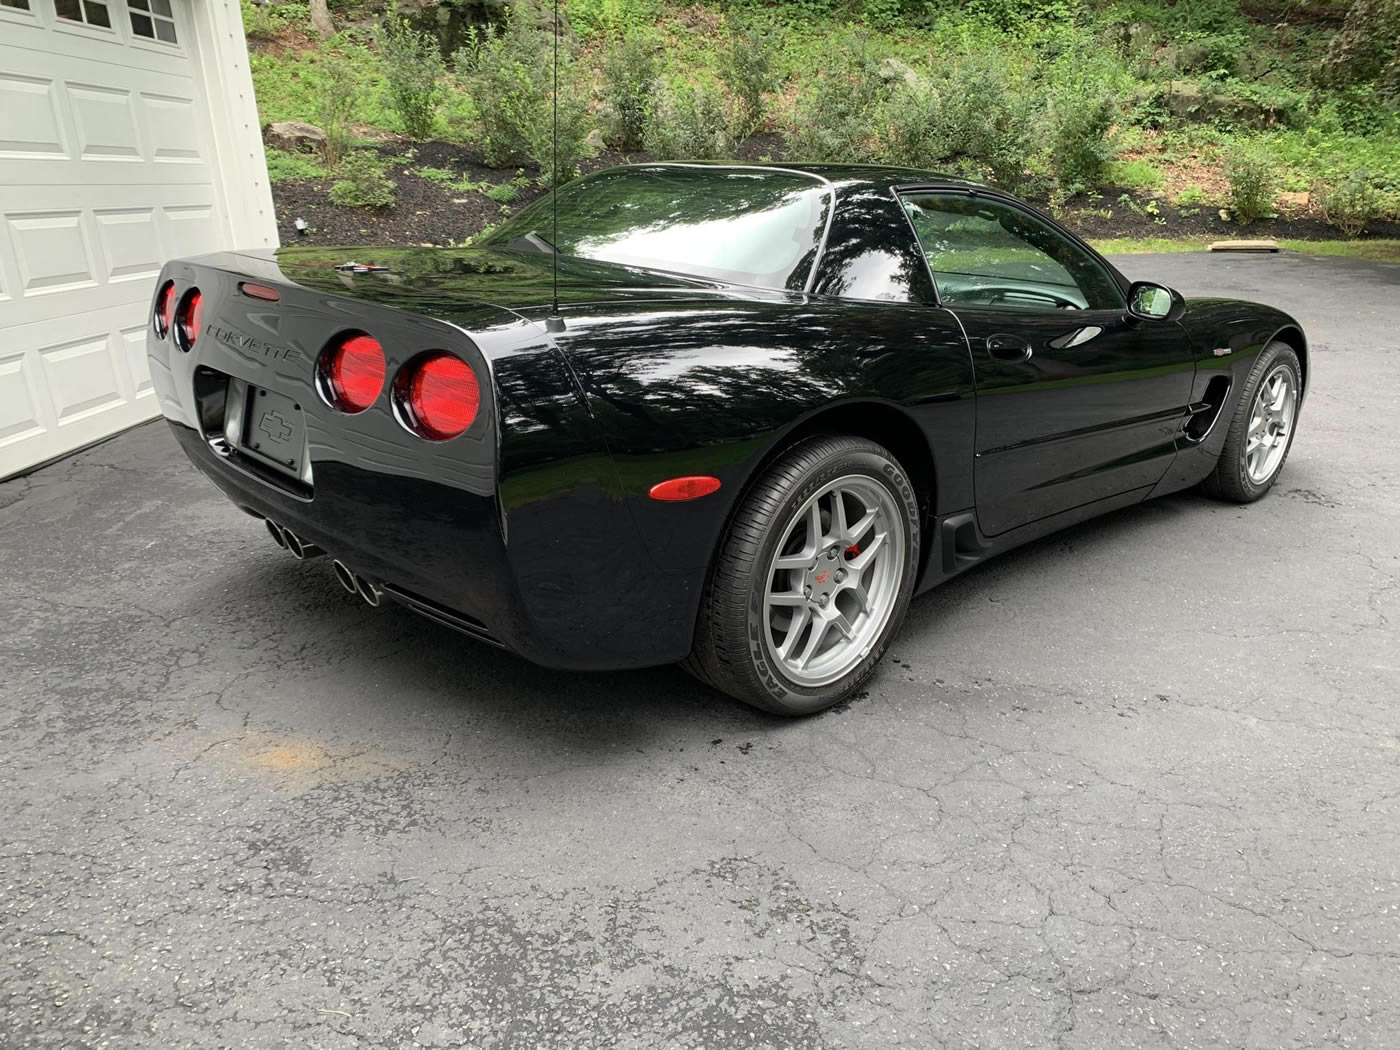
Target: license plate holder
[274, 430]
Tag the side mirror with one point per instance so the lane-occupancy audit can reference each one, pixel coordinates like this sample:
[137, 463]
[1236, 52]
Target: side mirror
[1154, 302]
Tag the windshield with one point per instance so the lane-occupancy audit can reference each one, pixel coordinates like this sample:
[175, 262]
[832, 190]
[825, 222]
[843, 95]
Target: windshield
[751, 227]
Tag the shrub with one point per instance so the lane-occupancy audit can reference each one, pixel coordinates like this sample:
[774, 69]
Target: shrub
[629, 84]
[691, 123]
[592, 18]
[1081, 143]
[412, 66]
[835, 121]
[337, 93]
[363, 183]
[749, 68]
[988, 121]
[1351, 203]
[510, 74]
[268, 21]
[1253, 178]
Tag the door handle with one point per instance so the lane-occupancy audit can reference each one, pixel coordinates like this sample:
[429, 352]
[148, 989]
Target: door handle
[1005, 347]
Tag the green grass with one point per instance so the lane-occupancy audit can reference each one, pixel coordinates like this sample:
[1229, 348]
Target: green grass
[1143, 245]
[1134, 174]
[1375, 250]
[284, 167]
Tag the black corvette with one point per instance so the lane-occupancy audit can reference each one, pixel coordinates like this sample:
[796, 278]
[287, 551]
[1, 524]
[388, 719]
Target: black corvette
[729, 416]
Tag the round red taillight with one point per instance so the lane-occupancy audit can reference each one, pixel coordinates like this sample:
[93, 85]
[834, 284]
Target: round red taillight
[353, 368]
[188, 319]
[165, 308]
[439, 396]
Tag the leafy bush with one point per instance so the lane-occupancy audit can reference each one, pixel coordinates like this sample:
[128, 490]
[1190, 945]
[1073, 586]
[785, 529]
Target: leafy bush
[1253, 179]
[283, 166]
[1082, 114]
[629, 85]
[1351, 203]
[510, 74]
[594, 18]
[268, 21]
[749, 68]
[835, 120]
[988, 121]
[1081, 146]
[363, 183]
[337, 85]
[691, 123]
[412, 66]
[1367, 50]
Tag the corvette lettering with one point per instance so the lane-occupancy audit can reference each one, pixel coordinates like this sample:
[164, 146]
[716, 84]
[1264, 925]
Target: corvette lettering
[248, 346]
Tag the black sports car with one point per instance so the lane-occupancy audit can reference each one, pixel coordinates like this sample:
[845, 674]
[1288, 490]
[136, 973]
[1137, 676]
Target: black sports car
[729, 416]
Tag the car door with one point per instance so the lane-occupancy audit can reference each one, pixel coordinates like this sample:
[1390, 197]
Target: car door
[1076, 400]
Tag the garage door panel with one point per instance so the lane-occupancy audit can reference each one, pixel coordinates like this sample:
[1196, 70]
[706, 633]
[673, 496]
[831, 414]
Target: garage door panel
[81, 378]
[30, 127]
[20, 418]
[170, 121]
[132, 351]
[105, 123]
[52, 251]
[130, 243]
[189, 229]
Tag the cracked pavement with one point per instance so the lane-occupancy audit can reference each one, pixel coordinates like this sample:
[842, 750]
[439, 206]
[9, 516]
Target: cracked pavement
[1135, 785]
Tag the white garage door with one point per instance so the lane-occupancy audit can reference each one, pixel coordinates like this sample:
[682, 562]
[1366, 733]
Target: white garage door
[107, 169]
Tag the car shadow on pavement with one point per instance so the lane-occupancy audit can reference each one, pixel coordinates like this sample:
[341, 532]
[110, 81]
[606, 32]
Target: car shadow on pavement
[355, 664]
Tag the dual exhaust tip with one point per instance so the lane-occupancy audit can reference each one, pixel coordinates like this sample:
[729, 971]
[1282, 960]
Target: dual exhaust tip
[289, 541]
[300, 549]
[357, 584]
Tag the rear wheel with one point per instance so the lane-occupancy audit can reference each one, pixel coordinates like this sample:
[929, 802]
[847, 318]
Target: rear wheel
[1262, 428]
[812, 580]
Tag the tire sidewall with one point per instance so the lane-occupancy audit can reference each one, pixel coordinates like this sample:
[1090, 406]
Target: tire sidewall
[784, 695]
[1273, 357]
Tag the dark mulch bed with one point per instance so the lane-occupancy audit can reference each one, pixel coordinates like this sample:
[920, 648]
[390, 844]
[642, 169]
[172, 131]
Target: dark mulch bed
[432, 213]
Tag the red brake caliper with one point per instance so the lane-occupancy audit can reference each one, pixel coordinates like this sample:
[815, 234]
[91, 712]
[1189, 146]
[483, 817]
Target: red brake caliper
[852, 550]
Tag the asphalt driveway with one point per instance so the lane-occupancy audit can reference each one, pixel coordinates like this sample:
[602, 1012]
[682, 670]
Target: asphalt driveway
[1135, 785]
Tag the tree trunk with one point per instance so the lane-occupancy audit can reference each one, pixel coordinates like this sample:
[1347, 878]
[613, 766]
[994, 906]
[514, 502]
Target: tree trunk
[321, 19]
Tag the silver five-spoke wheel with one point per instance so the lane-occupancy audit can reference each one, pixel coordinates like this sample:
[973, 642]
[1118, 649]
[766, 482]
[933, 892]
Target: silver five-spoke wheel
[834, 580]
[1270, 424]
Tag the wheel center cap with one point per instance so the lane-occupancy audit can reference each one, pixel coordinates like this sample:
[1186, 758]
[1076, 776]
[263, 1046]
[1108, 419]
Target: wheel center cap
[819, 581]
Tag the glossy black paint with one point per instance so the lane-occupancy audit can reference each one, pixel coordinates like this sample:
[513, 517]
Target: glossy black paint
[535, 525]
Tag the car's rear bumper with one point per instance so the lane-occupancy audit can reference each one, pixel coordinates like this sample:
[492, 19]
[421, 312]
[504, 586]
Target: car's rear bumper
[568, 592]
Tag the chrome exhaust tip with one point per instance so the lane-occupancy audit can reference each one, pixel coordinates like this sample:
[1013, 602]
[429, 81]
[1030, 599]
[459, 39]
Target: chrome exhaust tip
[369, 592]
[294, 545]
[275, 531]
[345, 576]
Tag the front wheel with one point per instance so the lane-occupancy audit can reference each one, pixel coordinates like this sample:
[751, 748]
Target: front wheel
[812, 580]
[1261, 430]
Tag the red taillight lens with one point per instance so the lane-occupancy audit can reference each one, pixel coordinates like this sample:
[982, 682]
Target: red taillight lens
[189, 318]
[165, 308]
[354, 372]
[439, 395]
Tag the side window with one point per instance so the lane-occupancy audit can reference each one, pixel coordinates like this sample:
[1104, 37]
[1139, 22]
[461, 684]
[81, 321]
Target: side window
[988, 253]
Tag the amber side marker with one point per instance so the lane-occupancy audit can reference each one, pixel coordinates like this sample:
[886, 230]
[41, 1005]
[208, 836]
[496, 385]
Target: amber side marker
[678, 490]
[260, 291]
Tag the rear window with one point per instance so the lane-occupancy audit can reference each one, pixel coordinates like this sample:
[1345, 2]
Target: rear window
[759, 228]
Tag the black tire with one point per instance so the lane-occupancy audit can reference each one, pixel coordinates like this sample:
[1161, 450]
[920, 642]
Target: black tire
[1231, 480]
[730, 652]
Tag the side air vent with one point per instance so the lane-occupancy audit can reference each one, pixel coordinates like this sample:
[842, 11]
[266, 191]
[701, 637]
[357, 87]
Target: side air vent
[1207, 411]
